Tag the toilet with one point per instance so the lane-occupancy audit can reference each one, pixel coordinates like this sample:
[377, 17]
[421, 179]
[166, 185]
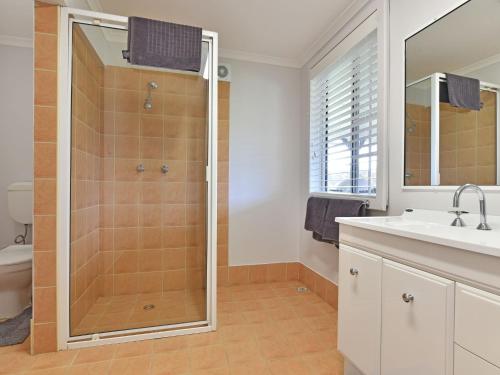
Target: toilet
[16, 260]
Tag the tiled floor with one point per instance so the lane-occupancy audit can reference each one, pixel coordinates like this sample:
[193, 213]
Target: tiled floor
[130, 311]
[263, 329]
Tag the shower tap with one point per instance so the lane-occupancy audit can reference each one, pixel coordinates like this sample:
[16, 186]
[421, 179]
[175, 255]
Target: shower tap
[148, 103]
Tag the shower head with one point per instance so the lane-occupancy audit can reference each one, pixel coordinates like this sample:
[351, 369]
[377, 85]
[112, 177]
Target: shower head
[148, 103]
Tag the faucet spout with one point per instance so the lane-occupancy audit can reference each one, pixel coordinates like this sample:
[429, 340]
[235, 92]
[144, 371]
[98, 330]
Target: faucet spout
[483, 225]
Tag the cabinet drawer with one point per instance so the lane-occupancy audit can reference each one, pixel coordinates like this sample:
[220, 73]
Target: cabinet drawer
[417, 322]
[467, 363]
[477, 322]
[359, 308]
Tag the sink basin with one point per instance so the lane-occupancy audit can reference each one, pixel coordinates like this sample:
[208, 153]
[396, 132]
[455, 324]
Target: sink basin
[434, 226]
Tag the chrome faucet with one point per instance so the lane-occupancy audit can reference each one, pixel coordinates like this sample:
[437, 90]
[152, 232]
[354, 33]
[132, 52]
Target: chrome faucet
[483, 225]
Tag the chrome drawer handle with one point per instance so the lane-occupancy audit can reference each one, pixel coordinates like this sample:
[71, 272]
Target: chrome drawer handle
[407, 297]
[354, 271]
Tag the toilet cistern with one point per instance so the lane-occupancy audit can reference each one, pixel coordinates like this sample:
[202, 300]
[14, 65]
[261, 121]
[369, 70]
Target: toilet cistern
[458, 222]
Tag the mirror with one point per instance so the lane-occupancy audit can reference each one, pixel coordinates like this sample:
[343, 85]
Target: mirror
[446, 143]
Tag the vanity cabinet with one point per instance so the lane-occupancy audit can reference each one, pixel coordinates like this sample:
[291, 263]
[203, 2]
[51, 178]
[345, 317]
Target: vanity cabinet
[393, 319]
[417, 322]
[360, 275]
[438, 291]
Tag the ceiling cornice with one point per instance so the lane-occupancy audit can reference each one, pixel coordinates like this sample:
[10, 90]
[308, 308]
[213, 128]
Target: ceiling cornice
[257, 58]
[15, 41]
[338, 23]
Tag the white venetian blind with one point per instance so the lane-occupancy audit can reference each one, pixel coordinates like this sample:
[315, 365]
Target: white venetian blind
[343, 123]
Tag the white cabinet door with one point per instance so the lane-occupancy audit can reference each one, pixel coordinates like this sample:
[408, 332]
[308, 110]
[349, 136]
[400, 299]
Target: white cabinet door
[417, 322]
[359, 308]
[467, 363]
[477, 322]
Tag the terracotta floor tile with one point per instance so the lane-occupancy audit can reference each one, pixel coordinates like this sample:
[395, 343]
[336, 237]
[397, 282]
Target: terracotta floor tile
[276, 347]
[98, 368]
[226, 318]
[127, 311]
[15, 362]
[170, 363]
[48, 371]
[289, 367]
[243, 352]
[51, 360]
[96, 354]
[170, 343]
[326, 363]
[134, 349]
[263, 329]
[250, 369]
[207, 357]
[131, 366]
[214, 371]
[204, 339]
[237, 332]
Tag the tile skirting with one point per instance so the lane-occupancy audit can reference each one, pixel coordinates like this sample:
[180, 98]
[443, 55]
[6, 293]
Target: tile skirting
[276, 272]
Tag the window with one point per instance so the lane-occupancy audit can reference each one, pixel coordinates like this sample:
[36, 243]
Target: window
[344, 121]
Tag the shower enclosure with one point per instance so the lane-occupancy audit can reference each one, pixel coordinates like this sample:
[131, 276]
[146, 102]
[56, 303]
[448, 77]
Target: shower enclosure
[136, 187]
[438, 147]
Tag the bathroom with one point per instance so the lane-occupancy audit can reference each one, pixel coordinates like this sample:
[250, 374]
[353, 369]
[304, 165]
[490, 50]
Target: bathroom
[157, 219]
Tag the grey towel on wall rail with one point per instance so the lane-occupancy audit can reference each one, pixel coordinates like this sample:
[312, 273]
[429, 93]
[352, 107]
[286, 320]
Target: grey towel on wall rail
[322, 212]
[464, 92]
[163, 44]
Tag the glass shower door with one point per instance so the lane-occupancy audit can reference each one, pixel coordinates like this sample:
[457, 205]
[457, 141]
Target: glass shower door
[138, 248]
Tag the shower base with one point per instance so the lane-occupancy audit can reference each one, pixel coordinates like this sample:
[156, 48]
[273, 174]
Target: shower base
[142, 310]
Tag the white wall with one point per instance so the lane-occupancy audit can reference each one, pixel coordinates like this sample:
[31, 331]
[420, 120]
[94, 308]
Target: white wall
[264, 163]
[16, 129]
[407, 17]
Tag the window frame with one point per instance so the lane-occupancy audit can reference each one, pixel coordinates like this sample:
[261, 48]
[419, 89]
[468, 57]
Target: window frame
[376, 20]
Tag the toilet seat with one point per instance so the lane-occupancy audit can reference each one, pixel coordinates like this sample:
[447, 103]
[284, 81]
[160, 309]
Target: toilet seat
[16, 254]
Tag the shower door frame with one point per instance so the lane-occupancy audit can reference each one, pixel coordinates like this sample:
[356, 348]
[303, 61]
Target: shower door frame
[68, 16]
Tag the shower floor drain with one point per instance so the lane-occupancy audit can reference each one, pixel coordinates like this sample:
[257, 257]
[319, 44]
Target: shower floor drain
[148, 307]
[302, 289]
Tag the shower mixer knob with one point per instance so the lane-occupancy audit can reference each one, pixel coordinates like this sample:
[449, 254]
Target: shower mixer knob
[140, 168]
[164, 169]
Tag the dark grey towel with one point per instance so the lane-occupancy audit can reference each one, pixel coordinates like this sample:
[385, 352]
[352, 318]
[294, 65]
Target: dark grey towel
[322, 212]
[340, 208]
[315, 214]
[163, 44]
[464, 92]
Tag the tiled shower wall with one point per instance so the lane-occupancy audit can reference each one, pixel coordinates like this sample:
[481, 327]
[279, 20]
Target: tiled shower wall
[88, 73]
[153, 223]
[468, 143]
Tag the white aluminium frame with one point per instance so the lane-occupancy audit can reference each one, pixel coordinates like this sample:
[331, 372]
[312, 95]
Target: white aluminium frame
[68, 16]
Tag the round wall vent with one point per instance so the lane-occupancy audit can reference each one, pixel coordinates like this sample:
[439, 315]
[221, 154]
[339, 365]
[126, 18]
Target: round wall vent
[224, 72]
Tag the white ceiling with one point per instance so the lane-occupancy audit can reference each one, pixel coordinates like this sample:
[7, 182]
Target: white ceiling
[279, 31]
[465, 38]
